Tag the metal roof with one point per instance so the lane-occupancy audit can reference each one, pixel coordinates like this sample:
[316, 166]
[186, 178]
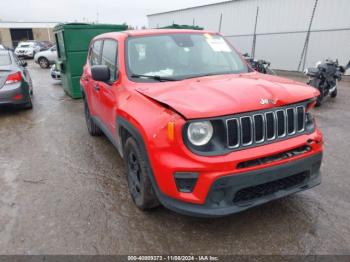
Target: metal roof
[193, 7]
[20, 24]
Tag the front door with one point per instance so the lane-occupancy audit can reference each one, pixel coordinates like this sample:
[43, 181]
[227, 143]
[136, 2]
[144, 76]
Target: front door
[108, 91]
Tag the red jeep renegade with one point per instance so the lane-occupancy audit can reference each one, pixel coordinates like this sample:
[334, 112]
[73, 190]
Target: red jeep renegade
[200, 132]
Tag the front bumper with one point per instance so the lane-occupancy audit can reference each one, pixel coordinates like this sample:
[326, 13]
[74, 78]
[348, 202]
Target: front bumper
[27, 55]
[55, 75]
[234, 193]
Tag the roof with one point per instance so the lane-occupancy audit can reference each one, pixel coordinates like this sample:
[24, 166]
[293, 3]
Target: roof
[193, 7]
[156, 32]
[90, 26]
[17, 24]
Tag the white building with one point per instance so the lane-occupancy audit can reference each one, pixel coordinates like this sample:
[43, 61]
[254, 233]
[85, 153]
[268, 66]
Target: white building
[281, 31]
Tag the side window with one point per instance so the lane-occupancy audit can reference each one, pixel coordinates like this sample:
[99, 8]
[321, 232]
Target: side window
[109, 57]
[95, 53]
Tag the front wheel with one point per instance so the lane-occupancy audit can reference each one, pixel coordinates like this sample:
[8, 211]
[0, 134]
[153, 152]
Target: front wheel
[43, 63]
[139, 183]
[335, 92]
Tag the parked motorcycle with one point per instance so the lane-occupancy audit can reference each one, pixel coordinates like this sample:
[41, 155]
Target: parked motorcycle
[261, 66]
[325, 76]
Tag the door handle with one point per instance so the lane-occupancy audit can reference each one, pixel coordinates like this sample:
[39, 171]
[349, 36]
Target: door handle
[96, 87]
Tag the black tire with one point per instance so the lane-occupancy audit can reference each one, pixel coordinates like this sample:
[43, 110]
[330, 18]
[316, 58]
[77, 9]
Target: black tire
[93, 129]
[334, 93]
[140, 186]
[43, 62]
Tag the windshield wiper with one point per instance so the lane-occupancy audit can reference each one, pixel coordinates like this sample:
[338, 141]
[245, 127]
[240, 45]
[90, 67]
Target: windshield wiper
[210, 74]
[155, 77]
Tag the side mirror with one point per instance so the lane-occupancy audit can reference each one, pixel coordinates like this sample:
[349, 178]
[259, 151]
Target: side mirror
[100, 73]
[24, 63]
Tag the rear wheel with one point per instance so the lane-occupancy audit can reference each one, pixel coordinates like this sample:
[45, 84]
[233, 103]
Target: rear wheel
[93, 129]
[140, 186]
[43, 62]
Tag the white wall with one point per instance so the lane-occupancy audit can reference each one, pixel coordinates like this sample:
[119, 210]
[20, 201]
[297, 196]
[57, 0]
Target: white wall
[282, 26]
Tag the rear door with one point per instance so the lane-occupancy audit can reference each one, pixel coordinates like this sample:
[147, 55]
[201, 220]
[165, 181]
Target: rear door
[108, 91]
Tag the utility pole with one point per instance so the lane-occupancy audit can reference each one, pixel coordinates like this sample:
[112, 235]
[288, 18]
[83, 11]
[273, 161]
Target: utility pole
[306, 44]
[220, 22]
[254, 35]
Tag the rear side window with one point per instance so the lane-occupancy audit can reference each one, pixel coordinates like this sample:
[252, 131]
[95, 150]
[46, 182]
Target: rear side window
[109, 57]
[5, 59]
[95, 53]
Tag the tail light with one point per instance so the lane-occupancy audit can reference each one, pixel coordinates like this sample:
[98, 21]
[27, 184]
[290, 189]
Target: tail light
[13, 78]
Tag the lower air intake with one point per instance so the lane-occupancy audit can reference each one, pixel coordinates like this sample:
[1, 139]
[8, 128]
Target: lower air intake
[258, 191]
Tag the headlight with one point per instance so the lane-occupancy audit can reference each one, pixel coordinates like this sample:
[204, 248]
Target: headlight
[199, 133]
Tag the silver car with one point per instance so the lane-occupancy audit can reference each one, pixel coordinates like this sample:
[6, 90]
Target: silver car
[27, 49]
[46, 58]
[15, 83]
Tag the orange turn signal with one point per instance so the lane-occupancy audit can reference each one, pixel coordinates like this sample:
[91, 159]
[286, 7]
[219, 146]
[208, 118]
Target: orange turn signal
[171, 131]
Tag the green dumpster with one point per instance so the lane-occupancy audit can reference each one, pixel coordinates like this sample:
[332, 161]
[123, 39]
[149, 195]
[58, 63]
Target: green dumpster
[72, 42]
[176, 26]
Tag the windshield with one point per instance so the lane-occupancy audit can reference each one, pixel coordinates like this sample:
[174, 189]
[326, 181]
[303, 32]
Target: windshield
[5, 59]
[181, 56]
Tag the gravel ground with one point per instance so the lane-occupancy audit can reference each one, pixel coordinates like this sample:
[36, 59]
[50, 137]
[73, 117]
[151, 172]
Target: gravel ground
[64, 192]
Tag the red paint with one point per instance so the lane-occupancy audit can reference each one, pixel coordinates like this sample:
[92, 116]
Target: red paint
[13, 78]
[193, 98]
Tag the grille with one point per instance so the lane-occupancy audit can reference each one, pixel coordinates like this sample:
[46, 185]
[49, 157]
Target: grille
[255, 192]
[264, 127]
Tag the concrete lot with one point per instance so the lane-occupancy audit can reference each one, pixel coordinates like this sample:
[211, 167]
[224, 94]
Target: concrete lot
[64, 192]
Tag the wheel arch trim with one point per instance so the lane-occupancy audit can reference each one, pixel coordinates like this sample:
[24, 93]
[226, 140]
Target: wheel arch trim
[135, 133]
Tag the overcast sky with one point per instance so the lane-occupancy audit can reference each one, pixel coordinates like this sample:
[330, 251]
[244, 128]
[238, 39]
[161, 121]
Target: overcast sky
[132, 12]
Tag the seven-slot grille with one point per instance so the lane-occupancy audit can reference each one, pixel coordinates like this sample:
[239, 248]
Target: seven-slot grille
[264, 127]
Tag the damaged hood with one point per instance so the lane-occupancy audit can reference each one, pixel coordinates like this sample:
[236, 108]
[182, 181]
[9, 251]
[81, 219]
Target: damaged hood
[227, 94]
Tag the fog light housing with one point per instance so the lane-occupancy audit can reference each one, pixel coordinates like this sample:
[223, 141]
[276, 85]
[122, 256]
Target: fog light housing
[185, 181]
